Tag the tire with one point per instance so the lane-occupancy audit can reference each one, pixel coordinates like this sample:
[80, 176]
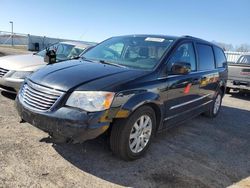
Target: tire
[122, 138]
[215, 107]
[228, 90]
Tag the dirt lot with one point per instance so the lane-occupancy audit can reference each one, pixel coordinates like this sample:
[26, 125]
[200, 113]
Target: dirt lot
[200, 153]
[7, 50]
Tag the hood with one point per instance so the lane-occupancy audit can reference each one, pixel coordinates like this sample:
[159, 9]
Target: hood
[21, 62]
[72, 74]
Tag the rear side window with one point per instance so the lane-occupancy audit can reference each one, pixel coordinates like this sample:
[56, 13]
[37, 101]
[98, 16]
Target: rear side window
[220, 57]
[205, 56]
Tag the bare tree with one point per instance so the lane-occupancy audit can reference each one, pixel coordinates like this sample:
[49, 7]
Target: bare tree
[243, 48]
[224, 46]
[229, 47]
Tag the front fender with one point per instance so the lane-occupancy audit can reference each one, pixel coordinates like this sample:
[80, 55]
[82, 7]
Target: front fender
[127, 104]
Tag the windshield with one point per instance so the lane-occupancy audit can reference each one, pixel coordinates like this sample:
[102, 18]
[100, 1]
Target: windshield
[64, 51]
[132, 51]
[245, 59]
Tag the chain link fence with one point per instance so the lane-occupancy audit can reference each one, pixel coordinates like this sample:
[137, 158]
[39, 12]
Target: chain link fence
[29, 42]
[36, 43]
[17, 39]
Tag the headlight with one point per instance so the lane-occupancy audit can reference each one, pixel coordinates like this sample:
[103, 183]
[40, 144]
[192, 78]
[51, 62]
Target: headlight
[91, 101]
[20, 74]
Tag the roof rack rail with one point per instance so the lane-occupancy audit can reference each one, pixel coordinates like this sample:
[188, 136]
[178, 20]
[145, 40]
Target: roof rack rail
[187, 36]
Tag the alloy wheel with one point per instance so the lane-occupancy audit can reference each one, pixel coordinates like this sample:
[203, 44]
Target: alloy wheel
[217, 104]
[140, 134]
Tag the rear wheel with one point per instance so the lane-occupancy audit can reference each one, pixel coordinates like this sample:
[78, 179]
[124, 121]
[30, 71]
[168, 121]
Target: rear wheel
[214, 108]
[131, 137]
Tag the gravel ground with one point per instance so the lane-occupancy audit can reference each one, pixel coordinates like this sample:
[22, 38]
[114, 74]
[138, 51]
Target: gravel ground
[199, 153]
[4, 50]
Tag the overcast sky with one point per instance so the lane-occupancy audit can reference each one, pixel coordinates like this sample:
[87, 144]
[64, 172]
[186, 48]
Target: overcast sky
[95, 20]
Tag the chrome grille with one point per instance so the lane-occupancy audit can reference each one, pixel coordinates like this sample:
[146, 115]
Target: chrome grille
[3, 72]
[38, 97]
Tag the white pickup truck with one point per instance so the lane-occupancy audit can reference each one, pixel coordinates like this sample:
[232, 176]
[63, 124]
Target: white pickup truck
[239, 74]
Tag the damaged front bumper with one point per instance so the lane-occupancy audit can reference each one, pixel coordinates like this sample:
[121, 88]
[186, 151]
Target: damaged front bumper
[66, 122]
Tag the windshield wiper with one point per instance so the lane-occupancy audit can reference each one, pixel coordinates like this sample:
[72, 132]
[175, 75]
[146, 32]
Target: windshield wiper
[85, 59]
[102, 62]
[75, 57]
[110, 63]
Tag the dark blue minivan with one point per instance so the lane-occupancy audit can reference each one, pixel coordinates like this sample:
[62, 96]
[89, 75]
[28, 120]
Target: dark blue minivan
[128, 86]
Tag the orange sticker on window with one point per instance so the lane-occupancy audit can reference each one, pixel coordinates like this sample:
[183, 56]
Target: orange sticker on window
[187, 88]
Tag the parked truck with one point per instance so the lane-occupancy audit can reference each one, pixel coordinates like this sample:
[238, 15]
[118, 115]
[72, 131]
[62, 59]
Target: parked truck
[239, 74]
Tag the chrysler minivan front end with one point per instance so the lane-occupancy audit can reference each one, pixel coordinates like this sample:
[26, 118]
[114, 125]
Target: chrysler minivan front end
[71, 118]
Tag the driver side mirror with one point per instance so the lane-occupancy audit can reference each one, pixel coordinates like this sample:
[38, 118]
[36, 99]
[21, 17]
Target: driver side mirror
[50, 56]
[181, 68]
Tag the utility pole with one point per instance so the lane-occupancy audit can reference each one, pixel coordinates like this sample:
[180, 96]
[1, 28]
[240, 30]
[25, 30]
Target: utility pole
[12, 42]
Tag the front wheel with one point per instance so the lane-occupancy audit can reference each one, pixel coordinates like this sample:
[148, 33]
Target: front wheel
[131, 137]
[215, 107]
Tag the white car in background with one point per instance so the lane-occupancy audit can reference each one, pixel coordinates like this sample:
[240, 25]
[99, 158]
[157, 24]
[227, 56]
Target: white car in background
[15, 68]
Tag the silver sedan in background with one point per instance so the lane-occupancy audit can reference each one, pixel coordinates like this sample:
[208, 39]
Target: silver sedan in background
[15, 68]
